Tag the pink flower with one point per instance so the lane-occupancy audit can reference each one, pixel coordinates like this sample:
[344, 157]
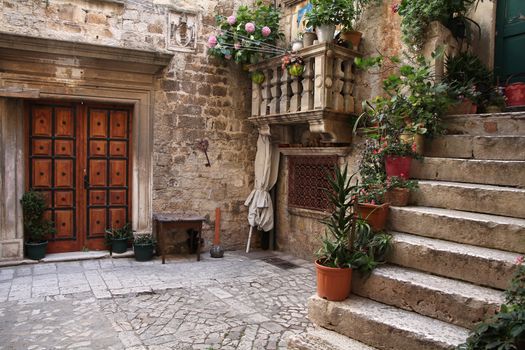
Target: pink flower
[228, 57]
[266, 31]
[402, 175]
[237, 46]
[395, 8]
[519, 260]
[250, 27]
[373, 202]
[231, 20]
[414, 147]
[212, 41]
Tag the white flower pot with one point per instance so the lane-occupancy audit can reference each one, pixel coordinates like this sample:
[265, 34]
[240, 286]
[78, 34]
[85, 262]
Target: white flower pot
[325, 33]
[297, 45]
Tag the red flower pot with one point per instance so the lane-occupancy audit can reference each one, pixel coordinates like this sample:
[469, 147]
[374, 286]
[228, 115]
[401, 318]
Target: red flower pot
[333, 284]
[374, 214]
[398, 166]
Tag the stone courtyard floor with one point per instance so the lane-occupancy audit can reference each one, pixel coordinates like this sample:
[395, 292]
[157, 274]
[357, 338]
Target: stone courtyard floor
[237, 302]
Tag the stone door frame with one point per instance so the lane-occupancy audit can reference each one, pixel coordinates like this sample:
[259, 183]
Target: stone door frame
[37, 68]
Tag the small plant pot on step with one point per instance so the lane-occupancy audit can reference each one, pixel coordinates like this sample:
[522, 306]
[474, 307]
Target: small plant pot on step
[119, 245]
[353, 37]
[36, 251]
[397, 197]
[398, 166]
[375, 215]
[333, 284]
[143, 252]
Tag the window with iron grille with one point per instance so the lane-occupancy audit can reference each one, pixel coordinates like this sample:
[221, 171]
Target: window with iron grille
[307, 179]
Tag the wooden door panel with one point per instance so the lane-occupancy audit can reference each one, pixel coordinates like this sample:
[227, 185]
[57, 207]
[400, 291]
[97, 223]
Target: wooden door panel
[117, 197]
[118, 149]
[42, 173]
[97, 198]
[117, 217]
[42, 147]
[64, 224]
[119, 124]
[64, 173]
[97, 148]
[98, 123]
[97, 222]
[117, 173]
[42, 121]
[64, 122]
[64, 148]
[64, 199]
[97, 173]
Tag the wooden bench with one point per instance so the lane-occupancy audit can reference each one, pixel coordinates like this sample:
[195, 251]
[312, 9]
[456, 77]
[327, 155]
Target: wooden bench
[166, 223]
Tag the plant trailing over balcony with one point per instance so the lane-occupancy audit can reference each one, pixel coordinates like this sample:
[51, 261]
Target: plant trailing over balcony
[418, 14]
[248, 36]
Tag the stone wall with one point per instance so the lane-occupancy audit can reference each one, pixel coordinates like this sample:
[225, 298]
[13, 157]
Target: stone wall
[196, 98]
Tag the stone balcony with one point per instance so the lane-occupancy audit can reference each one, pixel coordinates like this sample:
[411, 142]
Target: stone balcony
[321, 99]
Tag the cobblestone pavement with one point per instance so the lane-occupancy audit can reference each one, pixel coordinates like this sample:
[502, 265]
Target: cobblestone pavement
[237, 302]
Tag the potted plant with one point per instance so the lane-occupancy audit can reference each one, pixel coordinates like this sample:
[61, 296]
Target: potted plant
[143, 246]
[371, 205]
[118, 238]
[398, 191]
[469, 80]
[297, 43]
[496, 101]
[36, 227]
[414, 134]
[398, 157]
[325, 15]
[308, 38]
[294, 64]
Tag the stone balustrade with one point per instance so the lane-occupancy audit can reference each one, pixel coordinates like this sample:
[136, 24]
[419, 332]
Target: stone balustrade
[321, 97]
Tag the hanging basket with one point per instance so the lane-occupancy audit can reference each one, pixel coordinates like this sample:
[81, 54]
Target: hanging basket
[515, 92]
[296, 69]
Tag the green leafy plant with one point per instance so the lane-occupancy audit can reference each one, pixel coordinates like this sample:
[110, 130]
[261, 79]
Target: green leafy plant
[372, 165]
[412, 97]
[124, 232]
[144, 239]
[248, 36]
[349, 240]
[36, 227]
[418, 14]
[506, 329]
[331, 12]
[468, 77]
[399, 182]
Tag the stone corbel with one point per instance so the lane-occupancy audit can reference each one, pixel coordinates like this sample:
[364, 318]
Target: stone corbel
[264, 130]
[332, 131]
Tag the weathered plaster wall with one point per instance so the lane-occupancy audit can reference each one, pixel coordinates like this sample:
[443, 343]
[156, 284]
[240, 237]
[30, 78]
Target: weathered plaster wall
[197, 98]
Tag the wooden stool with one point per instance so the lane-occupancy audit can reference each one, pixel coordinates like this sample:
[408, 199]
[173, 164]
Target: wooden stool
[163, 223]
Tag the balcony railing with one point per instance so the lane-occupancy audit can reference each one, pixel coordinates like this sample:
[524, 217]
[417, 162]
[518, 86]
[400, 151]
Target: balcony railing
[321, 97]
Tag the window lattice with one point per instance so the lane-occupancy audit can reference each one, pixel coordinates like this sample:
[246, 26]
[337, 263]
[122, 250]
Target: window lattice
[307, 181]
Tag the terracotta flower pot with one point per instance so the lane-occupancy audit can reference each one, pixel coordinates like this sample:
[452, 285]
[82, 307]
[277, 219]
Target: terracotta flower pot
[465, 106]
[353, 37]
[417, 139]
[333, 284]
[398, 166]
[397, 197]
[374, 214]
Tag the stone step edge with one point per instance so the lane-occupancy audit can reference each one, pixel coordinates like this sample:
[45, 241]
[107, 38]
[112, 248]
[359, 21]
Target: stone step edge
[324, 339]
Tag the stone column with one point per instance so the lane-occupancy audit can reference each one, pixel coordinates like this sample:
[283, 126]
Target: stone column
[11, 178]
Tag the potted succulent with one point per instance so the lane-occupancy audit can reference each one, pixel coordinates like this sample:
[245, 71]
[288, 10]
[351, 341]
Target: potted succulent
[36, 227]
[398, 191]
[325, 15]
[119, 238]
[143, 246]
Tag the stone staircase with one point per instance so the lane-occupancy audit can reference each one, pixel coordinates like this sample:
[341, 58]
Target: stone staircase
[453, 250]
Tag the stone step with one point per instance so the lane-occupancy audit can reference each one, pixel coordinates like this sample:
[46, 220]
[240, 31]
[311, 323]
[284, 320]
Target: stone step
[477, 147]
[460, 303]
[498, 200]
[482, 266]
[489, 172]
[484, 230]
[383, 326]
[323, 339]
[510, 123]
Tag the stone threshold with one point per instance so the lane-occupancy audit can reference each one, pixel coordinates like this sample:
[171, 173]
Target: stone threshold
[71, 256]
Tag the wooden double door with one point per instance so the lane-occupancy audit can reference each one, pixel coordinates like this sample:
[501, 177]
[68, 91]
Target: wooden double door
[78, 156]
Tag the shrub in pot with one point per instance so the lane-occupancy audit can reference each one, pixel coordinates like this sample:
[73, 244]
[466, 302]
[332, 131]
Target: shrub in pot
[398, 158]
[118, 238]
[398, 191]
[36, 227]
[325, 15]
[348, 244]
[143, 246]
